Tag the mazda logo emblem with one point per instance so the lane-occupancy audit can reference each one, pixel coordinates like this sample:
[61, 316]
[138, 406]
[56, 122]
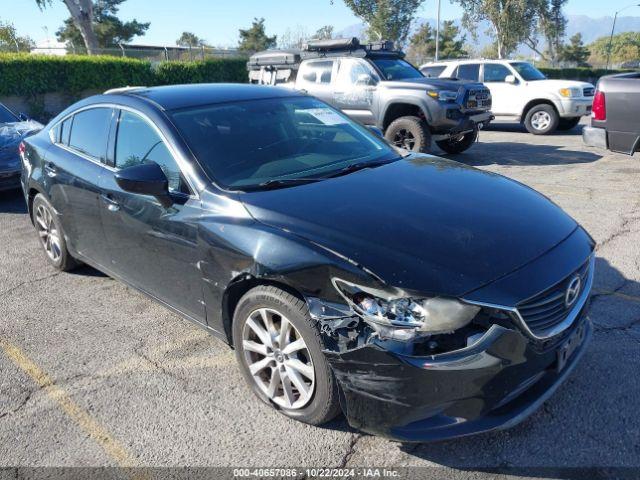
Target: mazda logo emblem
[573, 290]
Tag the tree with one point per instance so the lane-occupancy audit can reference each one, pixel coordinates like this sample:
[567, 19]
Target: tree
[624, 47]
[255, 38]
[386, 19]
[10, 41]
[551, 24]
[188, 39]
[293, 38]
[450, 45]
[324, 33]
[575, 52]
[422, 45]
[82, 14]
[512, 21]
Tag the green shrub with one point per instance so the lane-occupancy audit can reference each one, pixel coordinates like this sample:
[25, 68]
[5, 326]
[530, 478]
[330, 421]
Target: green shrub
[578, 73]
[30, 75]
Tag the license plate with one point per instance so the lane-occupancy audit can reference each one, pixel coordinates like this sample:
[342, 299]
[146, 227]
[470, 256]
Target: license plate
[566, 351]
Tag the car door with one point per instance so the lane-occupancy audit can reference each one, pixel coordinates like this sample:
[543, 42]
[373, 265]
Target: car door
[315, 77]
[73, 168]
[152, 247]
[505, 96]
[353, 89]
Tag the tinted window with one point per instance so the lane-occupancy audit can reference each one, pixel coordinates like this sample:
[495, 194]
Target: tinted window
[65, 131]
[397, 69]
[317, 72]
[528, 72]
[6, 116]
[245, 144]
[494, 72]
[138, 142]
[432, 72]
[90, 132]
[469, 71]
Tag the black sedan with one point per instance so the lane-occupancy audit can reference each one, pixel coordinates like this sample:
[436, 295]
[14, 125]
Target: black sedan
[423, 298]
[13, 128]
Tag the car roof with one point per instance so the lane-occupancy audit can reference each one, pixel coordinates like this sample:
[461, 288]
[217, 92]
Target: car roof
[174, 97]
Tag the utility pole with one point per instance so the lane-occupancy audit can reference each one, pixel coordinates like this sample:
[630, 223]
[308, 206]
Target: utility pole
[615, 17]
[438, 34]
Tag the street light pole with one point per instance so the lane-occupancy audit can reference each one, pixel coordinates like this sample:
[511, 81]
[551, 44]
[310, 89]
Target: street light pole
[613, 28]
[438, 34]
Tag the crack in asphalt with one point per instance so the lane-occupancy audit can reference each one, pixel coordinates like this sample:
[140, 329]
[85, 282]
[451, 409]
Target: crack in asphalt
[22, 404]
[625, 227]
[28, 282]
[355, 437]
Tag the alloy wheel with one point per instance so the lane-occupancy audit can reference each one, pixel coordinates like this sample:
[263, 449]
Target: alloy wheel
[404, 139]
[278, 359]
[48, 233]
[541, 120]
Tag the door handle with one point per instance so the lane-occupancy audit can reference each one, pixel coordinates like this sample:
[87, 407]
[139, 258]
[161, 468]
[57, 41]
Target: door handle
[50, 169]
[112, 205]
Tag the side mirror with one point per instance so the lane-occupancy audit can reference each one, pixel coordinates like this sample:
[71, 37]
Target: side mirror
[365, 79]
[145, 179]
[375, 130]
[511, 79]
[23, 117]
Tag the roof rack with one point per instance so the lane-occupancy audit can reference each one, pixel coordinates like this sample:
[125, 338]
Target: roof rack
[115, 91]
[350, 44]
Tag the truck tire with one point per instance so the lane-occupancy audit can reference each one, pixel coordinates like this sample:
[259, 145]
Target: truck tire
[541, 120]
[568, 123]
[410, 133]
[287, 371]
[456, 145]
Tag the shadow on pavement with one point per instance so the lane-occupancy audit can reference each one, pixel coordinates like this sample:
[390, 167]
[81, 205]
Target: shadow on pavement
[12, 201]
[523, 154]
[519, 128]
[591, 422]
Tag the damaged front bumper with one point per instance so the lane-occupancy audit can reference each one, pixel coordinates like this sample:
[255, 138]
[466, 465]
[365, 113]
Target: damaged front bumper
[494, 383]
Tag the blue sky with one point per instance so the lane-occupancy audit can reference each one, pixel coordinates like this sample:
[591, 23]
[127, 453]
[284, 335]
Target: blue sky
[218, 20]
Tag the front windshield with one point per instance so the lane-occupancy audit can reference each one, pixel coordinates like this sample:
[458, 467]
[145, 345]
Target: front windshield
[397, 69]
[243, 145]
[528, 72]
[6, 116]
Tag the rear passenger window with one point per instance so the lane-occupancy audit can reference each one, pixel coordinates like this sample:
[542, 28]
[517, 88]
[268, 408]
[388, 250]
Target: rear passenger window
[469, 71]
[90, 132]
[65, 130]
[432, 72]
[317, 72]
[137, 142]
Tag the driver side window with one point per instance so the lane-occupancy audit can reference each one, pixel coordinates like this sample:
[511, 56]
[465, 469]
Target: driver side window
[351, 70]
[494, 72]
[137, 143]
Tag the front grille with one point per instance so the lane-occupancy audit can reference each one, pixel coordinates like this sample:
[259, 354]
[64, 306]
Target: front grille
[548, 309]
[478, 98]
[589, 92]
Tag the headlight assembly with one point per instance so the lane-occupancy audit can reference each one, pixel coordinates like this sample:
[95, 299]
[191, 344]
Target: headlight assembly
[570, 92]
[402, 317]
[443, 95]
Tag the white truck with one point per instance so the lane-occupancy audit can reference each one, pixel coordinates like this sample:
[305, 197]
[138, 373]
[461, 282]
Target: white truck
[522, 93]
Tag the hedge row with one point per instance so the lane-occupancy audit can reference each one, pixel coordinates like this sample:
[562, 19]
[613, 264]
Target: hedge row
[28, 75]
[578, 73]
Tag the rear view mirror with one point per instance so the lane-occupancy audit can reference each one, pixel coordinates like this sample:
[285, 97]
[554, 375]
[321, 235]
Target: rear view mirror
[145, 179]
[511, 79]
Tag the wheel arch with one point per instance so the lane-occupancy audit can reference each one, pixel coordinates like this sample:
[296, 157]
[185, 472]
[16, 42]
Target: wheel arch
[401, 109]
[534, 103]
[31, 195]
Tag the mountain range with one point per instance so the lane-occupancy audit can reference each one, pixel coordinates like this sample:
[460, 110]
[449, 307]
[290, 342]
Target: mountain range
[590, 28]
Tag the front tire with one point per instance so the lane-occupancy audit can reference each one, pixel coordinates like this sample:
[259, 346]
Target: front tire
[279, 350]
[51, 235]
[410, 133]
[455, 145]
[541, 120]
[568, 123]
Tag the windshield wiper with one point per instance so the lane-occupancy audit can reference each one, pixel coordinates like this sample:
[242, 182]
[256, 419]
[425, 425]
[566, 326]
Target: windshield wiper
[354, 167]
[285, 182]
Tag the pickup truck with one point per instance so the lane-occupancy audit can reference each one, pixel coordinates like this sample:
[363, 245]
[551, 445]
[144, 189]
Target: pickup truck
[373, 84]
[523, 93]
[614, 118]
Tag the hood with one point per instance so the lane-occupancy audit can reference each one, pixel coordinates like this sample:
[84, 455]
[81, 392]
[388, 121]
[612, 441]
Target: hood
[555, 85]
[11, 134]
[435, 83]
[423, 223]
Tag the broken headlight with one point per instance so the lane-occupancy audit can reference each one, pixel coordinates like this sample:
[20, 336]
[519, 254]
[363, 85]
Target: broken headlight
[402, 317]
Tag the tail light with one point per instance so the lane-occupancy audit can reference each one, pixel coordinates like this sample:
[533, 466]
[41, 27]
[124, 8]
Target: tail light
[21, 148]
[599, 111]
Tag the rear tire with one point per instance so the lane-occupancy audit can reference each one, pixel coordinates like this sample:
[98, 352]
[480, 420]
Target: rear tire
[51, 235]
[410, 133]
[541, 120]
[274, 364]
[568, 123]
[454, 146]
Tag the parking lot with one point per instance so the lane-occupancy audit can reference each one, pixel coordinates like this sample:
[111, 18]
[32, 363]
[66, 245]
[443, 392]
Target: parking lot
[93, 373]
